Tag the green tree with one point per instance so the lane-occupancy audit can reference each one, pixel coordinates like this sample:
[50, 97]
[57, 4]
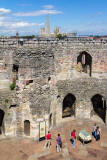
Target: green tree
[32, 36]
[60, 36]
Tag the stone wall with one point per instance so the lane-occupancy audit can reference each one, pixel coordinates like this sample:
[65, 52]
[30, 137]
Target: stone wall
[84, 90]
[45, 73]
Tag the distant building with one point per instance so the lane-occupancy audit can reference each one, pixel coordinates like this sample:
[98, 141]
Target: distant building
[48, 27]
[46, 33]
[57, 31]
[69, 34]
[17, 34]
[42, 33]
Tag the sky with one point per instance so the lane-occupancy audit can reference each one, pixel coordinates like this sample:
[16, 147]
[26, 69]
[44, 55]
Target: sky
[27, 17]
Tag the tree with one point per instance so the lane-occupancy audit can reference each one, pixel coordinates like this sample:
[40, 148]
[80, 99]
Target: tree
[60, 36]
[32, 36]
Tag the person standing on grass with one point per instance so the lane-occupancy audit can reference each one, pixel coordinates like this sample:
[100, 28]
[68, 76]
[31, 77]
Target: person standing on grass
[48, 140]
[74, 137]
[59, 143]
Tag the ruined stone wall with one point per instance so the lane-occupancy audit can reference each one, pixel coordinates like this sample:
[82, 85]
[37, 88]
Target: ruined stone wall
[7, 97]
[35, 65]
[45, 73]
[66, 69]
[83, 89]
[67, 59]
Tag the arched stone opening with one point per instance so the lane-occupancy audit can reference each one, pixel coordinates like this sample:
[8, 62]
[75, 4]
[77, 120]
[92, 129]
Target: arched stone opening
[84, 62]
[68, 108]
[1, 121]
[50, 120]
[27, 127]
[99, 106]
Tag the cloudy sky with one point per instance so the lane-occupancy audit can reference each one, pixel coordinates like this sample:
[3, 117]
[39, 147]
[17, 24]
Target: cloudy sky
[28, 16]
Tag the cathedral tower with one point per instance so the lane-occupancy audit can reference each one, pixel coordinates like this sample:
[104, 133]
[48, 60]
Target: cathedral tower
[48, 27]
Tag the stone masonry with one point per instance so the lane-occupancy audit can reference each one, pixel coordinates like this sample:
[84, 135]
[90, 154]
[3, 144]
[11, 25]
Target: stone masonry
[45, 71]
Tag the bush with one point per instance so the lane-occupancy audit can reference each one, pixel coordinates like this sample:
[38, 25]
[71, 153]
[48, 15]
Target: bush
[59, 36]
[6, 100]
[12, 86]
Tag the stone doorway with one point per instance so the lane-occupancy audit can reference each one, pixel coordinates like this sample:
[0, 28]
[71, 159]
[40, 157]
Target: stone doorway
[84, 62]
[27, 127]
[50, 120]
[1, 121]
[99, 106]
[68, 109]
[15, 72]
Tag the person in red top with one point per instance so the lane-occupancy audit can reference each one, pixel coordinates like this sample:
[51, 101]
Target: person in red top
[74, 137]
[48, 136]
[48, 140]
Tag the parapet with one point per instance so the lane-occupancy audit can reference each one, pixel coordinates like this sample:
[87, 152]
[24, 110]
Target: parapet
[40, 41]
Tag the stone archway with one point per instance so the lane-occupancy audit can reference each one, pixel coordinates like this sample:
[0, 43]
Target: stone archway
[99, 106]
[84, 62]
[1, 121]
[68, 108]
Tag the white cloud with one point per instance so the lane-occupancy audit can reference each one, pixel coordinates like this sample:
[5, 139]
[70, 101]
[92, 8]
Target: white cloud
[96, 23]
[3, 31]
[94, 29]
[13, 25]
[94, 15]
[4, 11]
[21, 24]
[2, 18]
[48, 6]
[37, 13]
[100, 31]
[41, 24]
[10, 25]
[22, 31]
[24, 28]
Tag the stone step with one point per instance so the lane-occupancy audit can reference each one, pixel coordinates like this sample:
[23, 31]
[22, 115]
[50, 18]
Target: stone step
[97, 152]
[36, 156]
[52, 156]
[103, 144]
[65, 152]
[83, 152]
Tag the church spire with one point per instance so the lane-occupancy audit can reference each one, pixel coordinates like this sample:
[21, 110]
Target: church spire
[48, 27]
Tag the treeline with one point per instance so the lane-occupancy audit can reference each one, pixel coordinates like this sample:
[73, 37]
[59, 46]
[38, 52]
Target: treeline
[32, 36]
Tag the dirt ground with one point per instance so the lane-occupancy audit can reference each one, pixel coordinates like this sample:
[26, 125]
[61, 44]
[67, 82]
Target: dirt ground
[29, 149]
